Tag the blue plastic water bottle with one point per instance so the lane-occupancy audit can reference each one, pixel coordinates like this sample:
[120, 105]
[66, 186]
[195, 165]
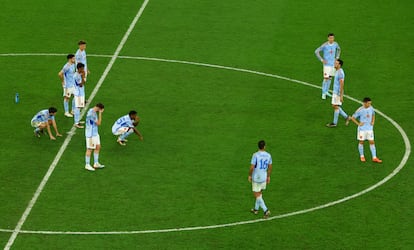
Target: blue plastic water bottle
[16, 98]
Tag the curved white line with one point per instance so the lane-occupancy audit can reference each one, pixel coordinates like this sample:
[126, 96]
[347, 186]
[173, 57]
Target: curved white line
[387, 178]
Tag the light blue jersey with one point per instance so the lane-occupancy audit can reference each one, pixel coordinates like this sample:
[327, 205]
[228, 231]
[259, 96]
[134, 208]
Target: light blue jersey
[123, 122]
[68, 72]
[365, 115]
[91, 126]
[331, 51]
[80, 57]
[261, 161]
[79, 90]
[43, 116]
[339, 75]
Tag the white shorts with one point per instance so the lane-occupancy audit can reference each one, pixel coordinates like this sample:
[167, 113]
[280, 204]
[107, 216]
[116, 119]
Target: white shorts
[328, 71]
[336, 100]
[121, 131]
[35, 123]
[80, 101]
[365, 135]
[257, 187]
[68, 91]
[91, 142]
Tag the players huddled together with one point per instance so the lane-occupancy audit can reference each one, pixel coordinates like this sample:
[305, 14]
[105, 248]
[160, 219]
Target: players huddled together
[73, 77]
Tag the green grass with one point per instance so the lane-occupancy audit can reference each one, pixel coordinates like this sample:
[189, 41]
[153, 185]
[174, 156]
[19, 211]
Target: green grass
[201, 125]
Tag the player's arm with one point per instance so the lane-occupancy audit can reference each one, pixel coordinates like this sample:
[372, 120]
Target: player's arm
[338, 52]
[269, 172]
[251, 172]
[341, 89]
[136, 131]
[60, 74]
[99, 121]
[373, 119]
[49, 132]
[356, 121]
[318, 54]
[55, 127]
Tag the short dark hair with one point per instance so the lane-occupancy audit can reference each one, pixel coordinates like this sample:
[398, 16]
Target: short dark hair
[100, 105]
[81, 42]
[331, 34]
[52, 110]
[261, 144]
[70, 56]
[132, 112]
[366, 99]
[340, 62]
[80, 65]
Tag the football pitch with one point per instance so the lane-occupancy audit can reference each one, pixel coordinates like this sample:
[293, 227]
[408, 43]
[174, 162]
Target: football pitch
[209, 79]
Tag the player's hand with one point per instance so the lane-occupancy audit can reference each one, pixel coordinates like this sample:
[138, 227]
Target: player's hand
[324, 62]
[268, 179]
[101, 111]
[141, 138]
[361, 124]
[249, 178]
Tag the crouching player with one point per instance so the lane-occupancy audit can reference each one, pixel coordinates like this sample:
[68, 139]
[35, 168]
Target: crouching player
[125, 126]
[43, 119]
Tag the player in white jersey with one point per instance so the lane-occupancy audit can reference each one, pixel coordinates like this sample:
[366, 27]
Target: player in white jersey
[44, 119]
[66, 76]
[259, 176]
[331, 51]
[80, 57]
[338, 95]
[125, 126]
[79, 93]
[366, 117]
[93, 141]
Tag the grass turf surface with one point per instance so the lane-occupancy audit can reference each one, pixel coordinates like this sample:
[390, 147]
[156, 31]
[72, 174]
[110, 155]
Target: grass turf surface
[201, 126]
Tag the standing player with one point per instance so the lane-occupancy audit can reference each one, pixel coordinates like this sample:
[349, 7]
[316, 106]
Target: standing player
[366, 116]
[331, 51]
[43, 119]
[68, 84]
[80, 56]
[79, 93]
[125, 126]
[338, 94]
[93, 142]
[259, 176]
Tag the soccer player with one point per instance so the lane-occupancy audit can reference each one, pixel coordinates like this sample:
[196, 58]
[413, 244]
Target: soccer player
[366, 117]
[43, 119]
[125, 126]
[259, 176]
[338, 95]
[80, 56]
[331, 51]
[66, 75]
[79, 93]
[93, 142]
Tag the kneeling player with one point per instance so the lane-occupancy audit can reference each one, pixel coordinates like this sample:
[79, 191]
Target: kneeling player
[43, 119]
[125, 126]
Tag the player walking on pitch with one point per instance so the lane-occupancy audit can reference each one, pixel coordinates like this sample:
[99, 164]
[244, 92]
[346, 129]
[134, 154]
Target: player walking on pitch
[259, 176]
[338, 95]
[68, 84]
[43, 119]
[93, 141]
[366, 116]
[331, 51]
[125, 126]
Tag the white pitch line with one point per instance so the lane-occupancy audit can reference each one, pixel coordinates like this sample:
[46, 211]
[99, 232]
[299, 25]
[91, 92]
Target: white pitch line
[62, 149]
[280, 216]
